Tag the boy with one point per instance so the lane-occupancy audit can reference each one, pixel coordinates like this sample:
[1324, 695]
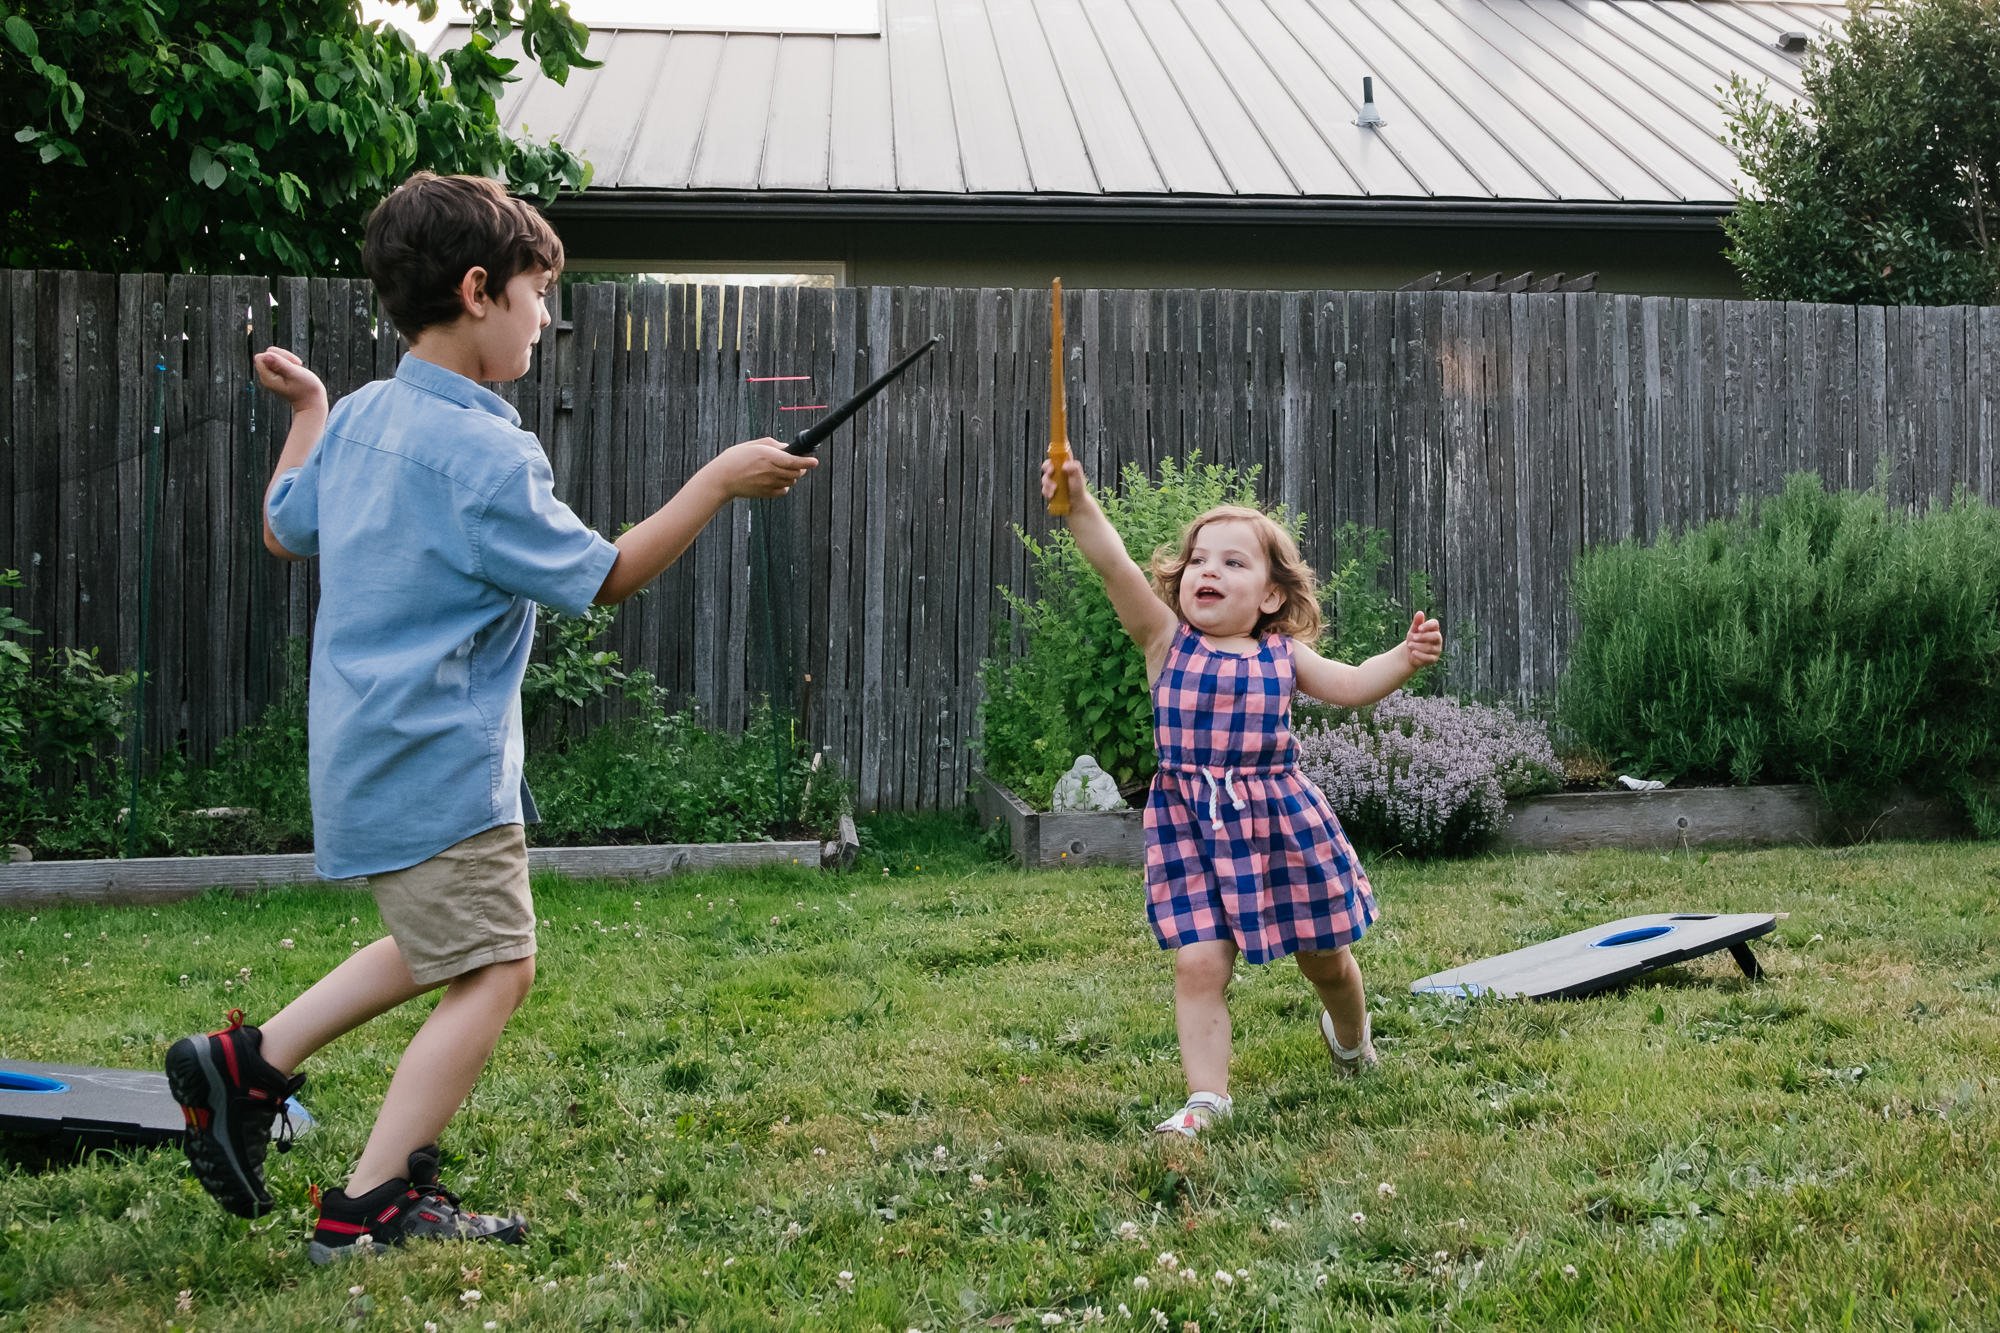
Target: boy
[437, 527]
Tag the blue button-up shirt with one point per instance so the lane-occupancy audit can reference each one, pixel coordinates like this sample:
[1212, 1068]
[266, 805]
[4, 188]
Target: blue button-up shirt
[437, 527]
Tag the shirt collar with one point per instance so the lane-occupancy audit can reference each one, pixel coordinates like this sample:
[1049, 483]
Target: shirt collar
[413, 370]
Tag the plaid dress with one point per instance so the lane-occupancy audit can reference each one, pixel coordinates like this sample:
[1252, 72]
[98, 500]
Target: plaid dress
[1239, 844]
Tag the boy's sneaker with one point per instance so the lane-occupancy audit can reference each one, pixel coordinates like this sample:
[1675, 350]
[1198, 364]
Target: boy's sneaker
[1348, 1063]
[397, 1210]
[1201, 1110]
[230, 1095]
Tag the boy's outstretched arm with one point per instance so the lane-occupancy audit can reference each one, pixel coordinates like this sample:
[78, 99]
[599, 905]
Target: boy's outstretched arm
[755, 469]
[1381, 675]
[284, 374]
[1145, 617]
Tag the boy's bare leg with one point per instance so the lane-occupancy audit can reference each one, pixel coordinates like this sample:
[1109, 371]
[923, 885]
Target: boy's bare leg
[1337, 978]
[1201, 1012]
[438, 1070]
[369, 984]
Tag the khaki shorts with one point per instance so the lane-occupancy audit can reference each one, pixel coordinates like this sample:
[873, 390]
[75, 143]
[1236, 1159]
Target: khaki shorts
[464, 908]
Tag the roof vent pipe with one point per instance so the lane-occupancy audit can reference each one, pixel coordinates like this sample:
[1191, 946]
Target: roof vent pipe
[1793, 43]
[1370, 118]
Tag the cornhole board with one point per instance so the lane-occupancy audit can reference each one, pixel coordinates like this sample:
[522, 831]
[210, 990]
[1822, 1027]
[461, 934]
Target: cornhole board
[1604, 956]
[99, 1106]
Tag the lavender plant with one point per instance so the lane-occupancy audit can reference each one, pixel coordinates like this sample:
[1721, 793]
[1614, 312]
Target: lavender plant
[1424, 775]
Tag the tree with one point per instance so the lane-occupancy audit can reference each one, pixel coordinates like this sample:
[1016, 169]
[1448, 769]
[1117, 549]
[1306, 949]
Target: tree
[1886, 187]
[253, 136]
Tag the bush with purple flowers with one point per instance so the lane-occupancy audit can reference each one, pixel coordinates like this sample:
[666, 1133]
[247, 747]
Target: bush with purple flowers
[1423, 775]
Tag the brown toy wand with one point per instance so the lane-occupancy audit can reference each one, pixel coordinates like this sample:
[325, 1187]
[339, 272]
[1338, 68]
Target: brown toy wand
[1058, 406]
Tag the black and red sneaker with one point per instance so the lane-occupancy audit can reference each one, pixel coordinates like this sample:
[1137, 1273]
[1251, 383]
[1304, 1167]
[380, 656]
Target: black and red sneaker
[398, 1210]
[230, 1097]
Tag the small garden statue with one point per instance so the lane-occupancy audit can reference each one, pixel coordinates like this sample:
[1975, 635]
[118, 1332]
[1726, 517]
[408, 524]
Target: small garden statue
[1086, 787]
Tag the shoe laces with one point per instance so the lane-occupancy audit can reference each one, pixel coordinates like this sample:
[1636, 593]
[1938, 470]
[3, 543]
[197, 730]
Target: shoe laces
[283, 1143]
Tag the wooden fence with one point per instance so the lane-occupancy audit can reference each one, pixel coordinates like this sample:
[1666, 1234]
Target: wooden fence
[1493, 436]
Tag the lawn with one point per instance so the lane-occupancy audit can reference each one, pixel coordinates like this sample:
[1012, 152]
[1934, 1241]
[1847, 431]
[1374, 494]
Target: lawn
[920, 1100]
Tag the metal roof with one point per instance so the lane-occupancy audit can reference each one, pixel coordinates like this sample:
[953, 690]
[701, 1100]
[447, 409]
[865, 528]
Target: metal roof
[1601, 104]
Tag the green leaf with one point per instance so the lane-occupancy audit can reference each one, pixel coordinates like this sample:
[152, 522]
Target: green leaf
[199, 161]
[22, 34]
[215, 175]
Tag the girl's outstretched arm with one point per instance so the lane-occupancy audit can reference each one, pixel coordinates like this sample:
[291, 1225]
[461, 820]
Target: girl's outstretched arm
[1355, 686]
[1144, 616]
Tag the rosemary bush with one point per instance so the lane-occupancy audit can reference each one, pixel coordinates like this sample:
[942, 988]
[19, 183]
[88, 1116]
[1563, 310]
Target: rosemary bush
[1821, 638]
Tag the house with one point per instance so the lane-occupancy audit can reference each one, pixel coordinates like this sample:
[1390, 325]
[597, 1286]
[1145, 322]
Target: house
[1175, 143]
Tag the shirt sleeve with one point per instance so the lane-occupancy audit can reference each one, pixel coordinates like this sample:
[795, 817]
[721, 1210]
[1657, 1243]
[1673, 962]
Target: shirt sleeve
[293, 510]
[532, 544]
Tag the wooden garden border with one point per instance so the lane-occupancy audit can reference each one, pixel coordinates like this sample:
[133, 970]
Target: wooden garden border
[166, 879]
[1768, 816]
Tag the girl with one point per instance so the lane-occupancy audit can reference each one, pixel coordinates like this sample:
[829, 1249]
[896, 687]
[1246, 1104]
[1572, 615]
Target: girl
[1242, 852]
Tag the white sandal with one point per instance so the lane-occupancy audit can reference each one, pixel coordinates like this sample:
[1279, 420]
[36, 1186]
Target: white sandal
[1348, 1063]
[1201, 1110]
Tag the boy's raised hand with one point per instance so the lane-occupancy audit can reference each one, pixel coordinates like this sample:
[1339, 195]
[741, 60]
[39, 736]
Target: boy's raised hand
[1425, 641]
[284, 374]
[759, 469]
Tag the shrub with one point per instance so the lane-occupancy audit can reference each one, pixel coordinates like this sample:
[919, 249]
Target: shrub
[1423, 775]
[661, 777]
[1824, 638]
[1079, 687]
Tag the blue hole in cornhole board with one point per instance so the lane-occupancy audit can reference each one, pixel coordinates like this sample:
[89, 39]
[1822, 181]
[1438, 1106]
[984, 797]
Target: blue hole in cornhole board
[1638, 936]
[13, 1082]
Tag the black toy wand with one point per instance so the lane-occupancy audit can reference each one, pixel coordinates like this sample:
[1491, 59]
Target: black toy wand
[809, 438]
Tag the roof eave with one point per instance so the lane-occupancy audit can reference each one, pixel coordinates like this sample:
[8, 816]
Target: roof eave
[1173, 210]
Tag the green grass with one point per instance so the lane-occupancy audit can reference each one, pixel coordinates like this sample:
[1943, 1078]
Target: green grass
[710, 1117]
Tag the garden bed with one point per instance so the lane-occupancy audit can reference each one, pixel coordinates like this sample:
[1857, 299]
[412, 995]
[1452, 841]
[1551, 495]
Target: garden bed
[1767, 816]
[1770, 816]
[160, 879]
[1061, 837]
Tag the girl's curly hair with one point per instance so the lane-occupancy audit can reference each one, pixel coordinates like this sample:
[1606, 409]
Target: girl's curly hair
[1299, 617]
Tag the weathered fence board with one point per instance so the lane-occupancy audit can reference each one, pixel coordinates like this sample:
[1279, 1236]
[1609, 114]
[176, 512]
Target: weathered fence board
[1493, 436]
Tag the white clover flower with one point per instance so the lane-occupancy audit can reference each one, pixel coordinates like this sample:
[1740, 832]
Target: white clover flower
[1225, 1277]
[472, 1297]
[845, 1281]
[1167, 1260]
[1386, 1190]
[1440, 1257]
[774, 921]
[354, 1291]
[1358, 1218]
[1141, 1282]
[1128, 1231]
[978, 1179]
[1278, 1223]
[1320, 1281]
[730, 1260]
[285, 944]
[819, 1152]
[1569, 1271]
[1243, 1272]
[1051, 1319]
[940, 1152]
[548, 1286]
[1124, 1312]
[492, 1324]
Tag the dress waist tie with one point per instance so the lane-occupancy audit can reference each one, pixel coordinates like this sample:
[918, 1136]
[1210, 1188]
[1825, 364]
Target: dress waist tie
[1228, 784]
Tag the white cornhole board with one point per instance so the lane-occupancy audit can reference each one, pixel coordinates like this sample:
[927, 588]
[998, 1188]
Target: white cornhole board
[98, 1106]
[1603, 956]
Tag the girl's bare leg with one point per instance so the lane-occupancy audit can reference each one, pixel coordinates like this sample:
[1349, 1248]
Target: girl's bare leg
[1201, 1012]
[1337, 978]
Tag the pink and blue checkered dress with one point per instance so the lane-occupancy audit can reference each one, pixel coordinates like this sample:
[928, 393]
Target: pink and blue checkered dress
[1239, 844]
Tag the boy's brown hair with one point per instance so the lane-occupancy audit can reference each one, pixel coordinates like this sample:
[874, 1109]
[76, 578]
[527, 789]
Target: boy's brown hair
[1299, 617]
[431, 229]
